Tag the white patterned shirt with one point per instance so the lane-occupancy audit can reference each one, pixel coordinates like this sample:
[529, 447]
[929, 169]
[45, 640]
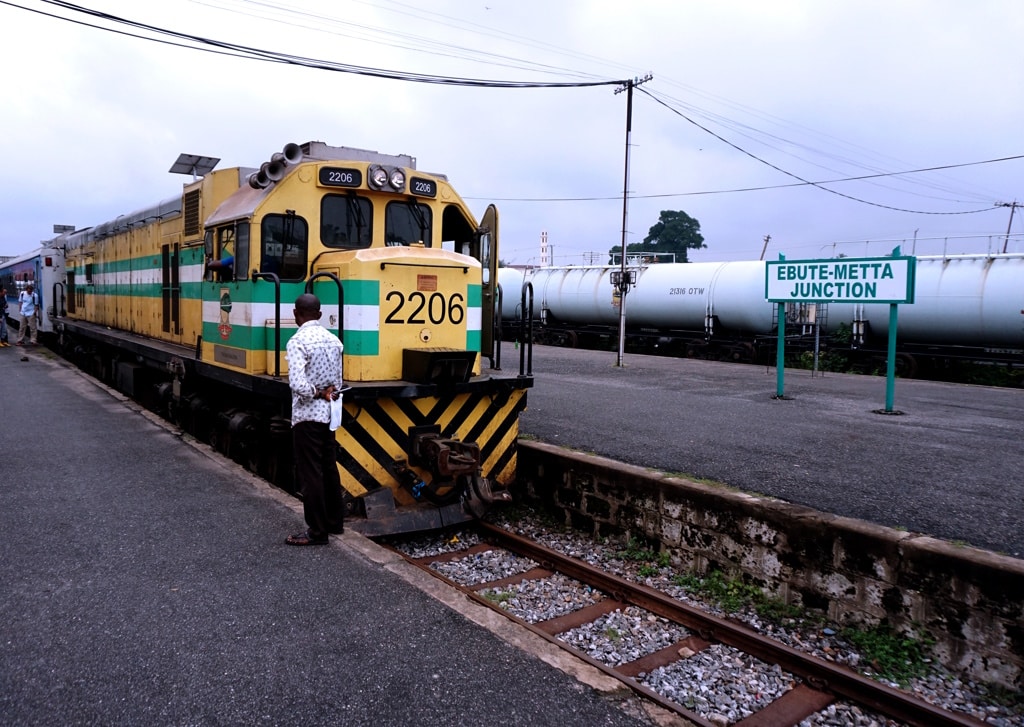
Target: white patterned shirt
[314, 363]
[28, 302]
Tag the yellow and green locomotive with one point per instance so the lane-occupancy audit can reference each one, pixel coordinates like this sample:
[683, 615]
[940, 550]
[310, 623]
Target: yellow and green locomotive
[188, 305]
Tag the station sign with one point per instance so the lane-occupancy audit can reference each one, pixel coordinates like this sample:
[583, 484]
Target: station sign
[841, 280]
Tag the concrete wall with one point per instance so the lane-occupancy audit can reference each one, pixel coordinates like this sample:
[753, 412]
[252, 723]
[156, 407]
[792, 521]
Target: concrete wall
[970, 601]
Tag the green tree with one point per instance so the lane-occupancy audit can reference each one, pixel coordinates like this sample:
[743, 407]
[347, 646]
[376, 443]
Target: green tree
[674, 232]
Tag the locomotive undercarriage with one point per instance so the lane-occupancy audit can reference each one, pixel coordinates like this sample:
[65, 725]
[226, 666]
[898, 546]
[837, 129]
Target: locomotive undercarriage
[166, 381]
[246, 419]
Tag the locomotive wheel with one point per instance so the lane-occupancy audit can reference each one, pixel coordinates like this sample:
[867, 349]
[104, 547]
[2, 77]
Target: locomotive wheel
[744, 353]
[697, 350]
[249, 452]
[215, 439]
[566, 339]
[351, 506]
[906, 366]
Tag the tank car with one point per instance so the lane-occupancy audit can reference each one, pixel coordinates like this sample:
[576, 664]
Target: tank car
[44, 269]
[187, 304]
[966, 306]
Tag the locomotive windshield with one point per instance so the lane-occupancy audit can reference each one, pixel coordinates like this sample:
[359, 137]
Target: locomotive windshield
[285, 244]
[406, 223]
[346, 221]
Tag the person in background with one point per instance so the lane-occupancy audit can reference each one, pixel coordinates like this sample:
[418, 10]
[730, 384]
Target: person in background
[28, 308]
[224, 266]
[315, 378]
[3, 317]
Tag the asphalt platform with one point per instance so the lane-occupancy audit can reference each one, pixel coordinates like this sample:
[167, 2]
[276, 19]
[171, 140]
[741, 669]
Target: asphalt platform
[145, 581]
[951, 465]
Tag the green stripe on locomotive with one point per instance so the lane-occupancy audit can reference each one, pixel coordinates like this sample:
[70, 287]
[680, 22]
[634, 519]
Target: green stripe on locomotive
[250, 315]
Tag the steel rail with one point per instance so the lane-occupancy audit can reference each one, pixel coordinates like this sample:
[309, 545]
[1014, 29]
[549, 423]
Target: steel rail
[820, 674]
[471, 592]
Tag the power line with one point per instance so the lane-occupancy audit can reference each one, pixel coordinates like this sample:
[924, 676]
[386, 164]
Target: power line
[321, 23]
[762, 136]
[798, 177]
[243, 51]
[804, 183]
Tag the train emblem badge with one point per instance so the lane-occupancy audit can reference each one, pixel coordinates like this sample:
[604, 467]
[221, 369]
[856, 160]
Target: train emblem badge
[225, 314]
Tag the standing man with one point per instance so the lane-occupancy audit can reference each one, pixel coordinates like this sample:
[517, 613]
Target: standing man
[314, 373]
[3, 317]
[28, 304]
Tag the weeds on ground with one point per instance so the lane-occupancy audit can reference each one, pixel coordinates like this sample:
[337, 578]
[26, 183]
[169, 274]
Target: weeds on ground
[827, 361]
[733, 594]
[500, 598]
[515, 512]
[636, 551]
[895, 656]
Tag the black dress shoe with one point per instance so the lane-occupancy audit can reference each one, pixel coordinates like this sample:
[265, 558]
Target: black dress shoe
[305, 539]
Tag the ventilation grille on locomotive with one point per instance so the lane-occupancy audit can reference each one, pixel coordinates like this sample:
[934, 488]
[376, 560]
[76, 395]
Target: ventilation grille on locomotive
[192, 226]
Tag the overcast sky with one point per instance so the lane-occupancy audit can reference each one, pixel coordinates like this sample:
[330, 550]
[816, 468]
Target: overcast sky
[753, 95]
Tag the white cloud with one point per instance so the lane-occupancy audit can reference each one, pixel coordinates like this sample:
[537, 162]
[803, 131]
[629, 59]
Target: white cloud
[93, 120]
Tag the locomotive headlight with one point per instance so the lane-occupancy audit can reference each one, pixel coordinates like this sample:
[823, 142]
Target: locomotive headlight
[397, 180]
[378, 176]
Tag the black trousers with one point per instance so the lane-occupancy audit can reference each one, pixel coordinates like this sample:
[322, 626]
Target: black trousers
[317, 478]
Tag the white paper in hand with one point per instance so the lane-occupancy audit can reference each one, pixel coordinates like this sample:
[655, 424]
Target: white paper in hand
[336, 411]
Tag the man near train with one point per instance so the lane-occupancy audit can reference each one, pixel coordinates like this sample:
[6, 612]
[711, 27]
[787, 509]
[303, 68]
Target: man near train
[3, 317]
[315, 378]
[28, 309]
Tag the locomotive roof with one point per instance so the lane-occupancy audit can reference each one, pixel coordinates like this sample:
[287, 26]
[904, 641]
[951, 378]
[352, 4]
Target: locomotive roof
[241, 202]
[158, 211]
[319, 151]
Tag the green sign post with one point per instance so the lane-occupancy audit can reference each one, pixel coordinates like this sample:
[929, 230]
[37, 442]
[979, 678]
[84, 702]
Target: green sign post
[842, 280]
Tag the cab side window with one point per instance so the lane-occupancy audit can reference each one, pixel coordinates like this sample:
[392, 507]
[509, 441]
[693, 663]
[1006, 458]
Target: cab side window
[457, 233]
[227, 252]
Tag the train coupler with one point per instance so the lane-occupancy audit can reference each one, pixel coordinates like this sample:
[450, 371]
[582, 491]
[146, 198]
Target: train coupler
[454, 472]
[443, 456]
[479, 497]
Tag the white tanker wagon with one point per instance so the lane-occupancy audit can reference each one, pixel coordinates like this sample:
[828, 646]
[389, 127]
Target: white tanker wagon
[965, 306]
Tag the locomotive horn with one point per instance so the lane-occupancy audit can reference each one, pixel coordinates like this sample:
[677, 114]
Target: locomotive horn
[259, 180]
[274, 170]
[292, 153]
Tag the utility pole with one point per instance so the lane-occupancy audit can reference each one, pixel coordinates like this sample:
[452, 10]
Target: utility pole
[767, 239]
[1013, 208]
[623, 279]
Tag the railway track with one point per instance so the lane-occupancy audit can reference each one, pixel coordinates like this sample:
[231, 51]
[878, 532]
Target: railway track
[813, 684]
